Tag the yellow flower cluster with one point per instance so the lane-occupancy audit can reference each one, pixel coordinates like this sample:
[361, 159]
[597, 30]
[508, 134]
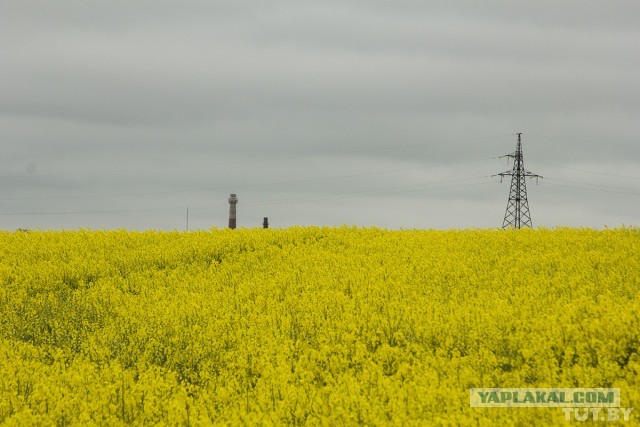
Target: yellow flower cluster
[307, 325]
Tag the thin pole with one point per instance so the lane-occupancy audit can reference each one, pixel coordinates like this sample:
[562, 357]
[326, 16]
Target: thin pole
[187, 219]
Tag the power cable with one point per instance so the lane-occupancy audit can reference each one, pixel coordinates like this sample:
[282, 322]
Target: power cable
[595, 189]
[86, 196]
[236, 162]
[586, 170]
[584, 141]
[362, 193]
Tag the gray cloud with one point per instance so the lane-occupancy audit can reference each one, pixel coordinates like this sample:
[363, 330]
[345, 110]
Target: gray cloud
[299, 107]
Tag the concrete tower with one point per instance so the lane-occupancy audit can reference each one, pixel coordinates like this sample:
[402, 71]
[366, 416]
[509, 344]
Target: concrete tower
[233, 201]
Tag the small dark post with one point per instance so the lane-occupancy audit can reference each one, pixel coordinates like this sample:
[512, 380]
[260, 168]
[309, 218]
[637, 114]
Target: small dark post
[265, 223]
[233, 201]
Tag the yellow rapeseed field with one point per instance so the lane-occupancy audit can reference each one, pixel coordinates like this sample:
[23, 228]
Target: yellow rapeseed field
[315, 326]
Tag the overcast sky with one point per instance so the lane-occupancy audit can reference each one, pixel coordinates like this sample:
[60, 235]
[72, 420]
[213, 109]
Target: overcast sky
[125, 113]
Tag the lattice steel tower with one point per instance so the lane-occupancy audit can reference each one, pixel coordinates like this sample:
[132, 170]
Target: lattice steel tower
[517, 214]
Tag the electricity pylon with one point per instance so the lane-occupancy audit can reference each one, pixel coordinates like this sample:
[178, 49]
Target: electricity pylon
[517, 214]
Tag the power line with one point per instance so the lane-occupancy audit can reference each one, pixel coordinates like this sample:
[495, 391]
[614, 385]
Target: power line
[595, 189]
[594, 185]
[226, 187]
[362, 193]
[260, 160]
[349, 195]
[146, 210]
[584, 141]
[588, 171]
